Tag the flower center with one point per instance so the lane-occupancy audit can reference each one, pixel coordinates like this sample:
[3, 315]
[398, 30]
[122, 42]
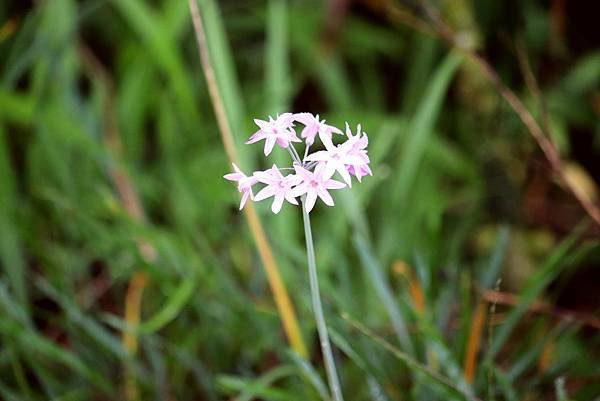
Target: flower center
[314, 183]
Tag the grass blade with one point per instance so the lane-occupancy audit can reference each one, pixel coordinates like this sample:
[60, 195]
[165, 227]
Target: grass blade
[10, 250]
[540, 280]
[421, 125]
[172, 308]
[311, 375]
[409, 361]
[384, 292]
[160, 45]
[277, 94]
[223, 114]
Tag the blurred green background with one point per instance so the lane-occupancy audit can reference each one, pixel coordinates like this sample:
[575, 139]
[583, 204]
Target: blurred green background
[473, 268]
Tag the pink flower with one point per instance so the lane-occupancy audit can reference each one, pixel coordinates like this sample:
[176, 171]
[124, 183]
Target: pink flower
[278, 186]
[357, 145]
[279, 130]
[336, 158]
[244, 184]
[359, 171]
[360, 141]
[313, 126]
[313, 174]
[315, 184]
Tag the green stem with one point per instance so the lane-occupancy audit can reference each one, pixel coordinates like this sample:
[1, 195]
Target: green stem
[297, 158]
[334, 383]
[293, 155]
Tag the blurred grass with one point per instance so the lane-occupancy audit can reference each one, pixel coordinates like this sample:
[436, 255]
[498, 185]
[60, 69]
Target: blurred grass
[460, 198]
[281, 296]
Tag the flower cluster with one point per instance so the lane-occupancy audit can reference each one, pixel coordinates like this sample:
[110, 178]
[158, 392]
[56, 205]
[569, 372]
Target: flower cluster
[310, 176]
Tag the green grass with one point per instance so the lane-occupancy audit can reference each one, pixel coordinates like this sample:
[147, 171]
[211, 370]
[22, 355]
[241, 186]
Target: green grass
[449, 201]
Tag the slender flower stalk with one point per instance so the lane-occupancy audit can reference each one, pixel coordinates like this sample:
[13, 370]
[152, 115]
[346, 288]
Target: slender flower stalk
[332, 377]
[310, 179]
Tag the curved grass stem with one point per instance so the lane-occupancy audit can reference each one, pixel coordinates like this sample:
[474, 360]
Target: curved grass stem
[332, 377]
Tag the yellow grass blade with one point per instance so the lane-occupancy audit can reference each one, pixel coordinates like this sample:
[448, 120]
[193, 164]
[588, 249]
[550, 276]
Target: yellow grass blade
[280, 294]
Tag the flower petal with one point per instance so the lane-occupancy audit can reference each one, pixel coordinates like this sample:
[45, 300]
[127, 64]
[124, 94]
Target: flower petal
[233, 176]
[261, 123]
[283, 142]
[304, 173]
[333, 184]
[269, 143]
[292, 179]
[298, 191]
[326, 139]
[327, 171]
[257, 136]
[311, 198]
[277, 203]
[343, 171]
[236, 168]
[292, 137]
[324, 195]
[265, 193]
[244, 199]
[263, 176]
[335, 130]
[321, 155]
[309, 133]
[304, 118]
[289, 196]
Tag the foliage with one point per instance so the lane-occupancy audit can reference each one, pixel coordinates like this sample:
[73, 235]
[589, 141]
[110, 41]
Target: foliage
[460, 196]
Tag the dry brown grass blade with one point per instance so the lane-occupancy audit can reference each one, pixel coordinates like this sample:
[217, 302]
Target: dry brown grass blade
[9, 28]
[417, 295]
[280, 293]
[414, 286]
[532, 83]
[474, 342]
[544, 362]
[444, 31]
[504, 298]
[399, 13]
[133, 303]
